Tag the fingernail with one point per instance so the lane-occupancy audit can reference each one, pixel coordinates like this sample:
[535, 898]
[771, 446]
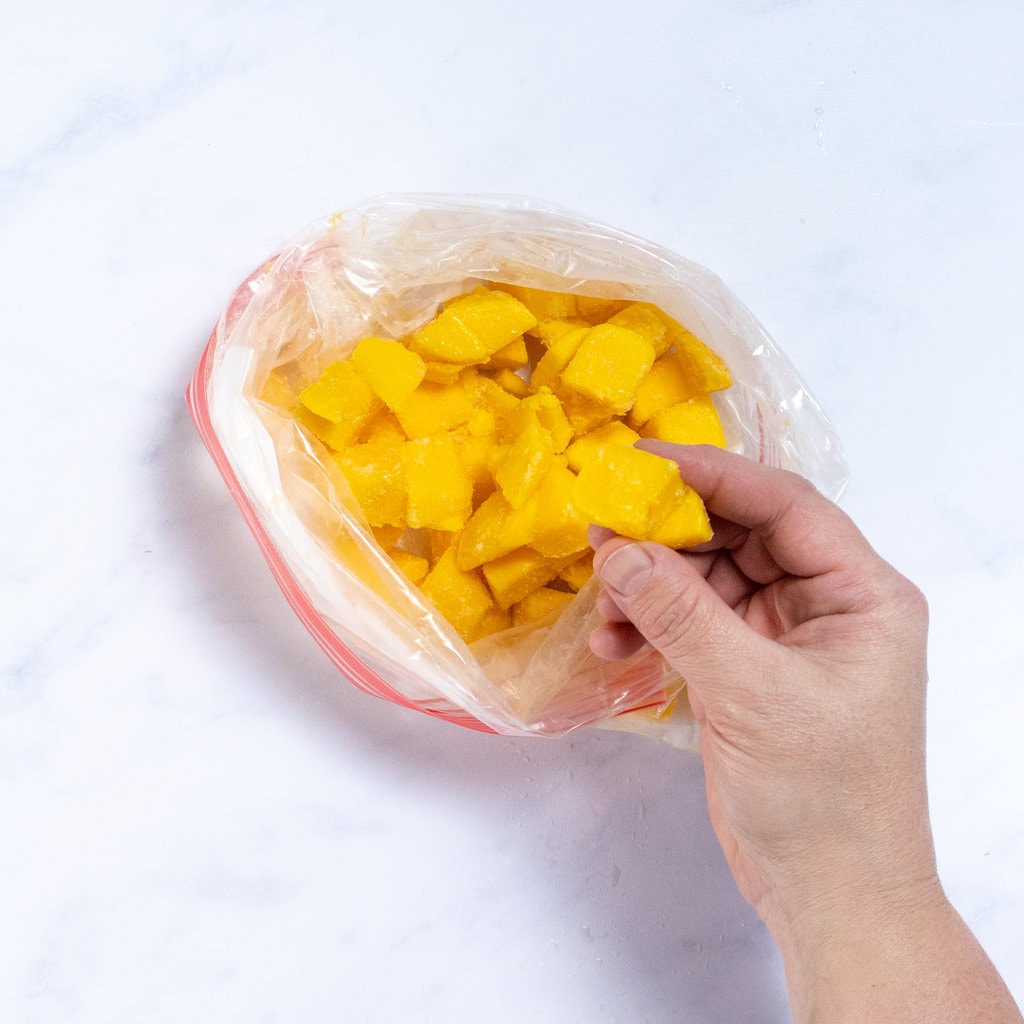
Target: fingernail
[627, 569]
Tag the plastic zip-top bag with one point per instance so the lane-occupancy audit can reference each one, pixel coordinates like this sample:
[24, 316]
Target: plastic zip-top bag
[384, 269]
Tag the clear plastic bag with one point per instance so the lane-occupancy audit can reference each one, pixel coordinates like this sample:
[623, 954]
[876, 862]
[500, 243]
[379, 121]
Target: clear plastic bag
[382, 268]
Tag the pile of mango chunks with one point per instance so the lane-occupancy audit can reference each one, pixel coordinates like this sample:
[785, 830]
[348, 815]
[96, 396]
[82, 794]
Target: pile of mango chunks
[480, 446]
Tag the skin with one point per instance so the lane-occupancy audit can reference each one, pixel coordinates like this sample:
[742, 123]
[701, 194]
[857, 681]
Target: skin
[804, 655]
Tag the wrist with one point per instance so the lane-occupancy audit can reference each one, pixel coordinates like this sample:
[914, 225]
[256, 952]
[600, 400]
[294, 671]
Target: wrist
[901, 954]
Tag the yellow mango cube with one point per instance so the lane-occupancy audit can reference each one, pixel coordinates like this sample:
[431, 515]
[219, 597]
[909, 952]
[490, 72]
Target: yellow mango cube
[511, 382]
[391, 370]
[495, 529]
[514, 575]
[484, 393]
[549, 331]
[383, 428]
[336, 436]
[645, 320]
[577, 573]
[594, 442]
[596, 310]
[584, 414]
[561, 528]
[440, 491]
[413, 566]
[707, 369]
[388, 536]
[435, 407]
[609, 365]
[539, 603]
[340, 395]
[511, 357]
[472, 327]
[544, 305]
[695, 421]
[552, 364]
[461, 597]
[494, 621]
[626, 489]
[442, 373]
[669, 382]
[686, 522]
[526, 461]
[376, 475]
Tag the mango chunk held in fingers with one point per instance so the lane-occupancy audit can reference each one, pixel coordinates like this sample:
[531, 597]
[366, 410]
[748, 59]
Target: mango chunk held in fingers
[626, 489]
[481, 446]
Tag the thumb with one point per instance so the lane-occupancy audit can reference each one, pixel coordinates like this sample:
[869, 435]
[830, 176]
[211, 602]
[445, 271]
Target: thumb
[678, 613]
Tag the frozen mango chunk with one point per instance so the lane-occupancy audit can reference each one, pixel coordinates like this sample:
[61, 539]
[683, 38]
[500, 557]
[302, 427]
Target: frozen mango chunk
[391, 370]
[594, 442]
[552, 364]
[626, 489]
[671, 380]
[435, 407]
[518, 573]
[336, 436]
[694, 421]
[376, 475]
[495, 529]
[561, 528]
[415, 567]
[597, 310]
[512, 356]
[707, 369]
[609, 365]
[686, 522]
[577, 573]
[494, 621]
[439, 489]
[645, 320]
[461, 597]
[526, 461]
[471, 328]
[539, 603]
[544, 305]
[340, 395]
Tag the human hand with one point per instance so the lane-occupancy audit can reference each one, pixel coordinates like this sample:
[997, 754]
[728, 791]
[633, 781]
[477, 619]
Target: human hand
[804, 656]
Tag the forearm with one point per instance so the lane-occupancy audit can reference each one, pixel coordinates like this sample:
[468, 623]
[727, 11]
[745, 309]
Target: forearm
[913, 962]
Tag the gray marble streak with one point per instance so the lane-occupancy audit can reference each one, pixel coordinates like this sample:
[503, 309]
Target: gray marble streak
[199, 818]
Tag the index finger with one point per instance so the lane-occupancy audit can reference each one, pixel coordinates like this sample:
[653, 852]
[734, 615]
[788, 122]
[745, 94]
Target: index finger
[804, 532]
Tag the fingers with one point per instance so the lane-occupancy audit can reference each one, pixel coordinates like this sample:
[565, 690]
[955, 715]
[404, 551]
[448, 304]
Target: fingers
[673, 608]
[794, 528]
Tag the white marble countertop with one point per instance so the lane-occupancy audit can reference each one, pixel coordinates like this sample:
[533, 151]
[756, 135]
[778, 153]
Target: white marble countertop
[200, 820]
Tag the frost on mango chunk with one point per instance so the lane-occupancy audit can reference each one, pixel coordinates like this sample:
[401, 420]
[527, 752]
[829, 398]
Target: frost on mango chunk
[471, 328]
[495, 529]
[376, 475]
[686, 522]
[439, 488]
[528, 459]
[516, 574]
[626, 489]
[561, 528]
[340, 394]
[435, 407]
[609, 365]
[695, 421]
[391, 370]
[461, 597]
[591, 444]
